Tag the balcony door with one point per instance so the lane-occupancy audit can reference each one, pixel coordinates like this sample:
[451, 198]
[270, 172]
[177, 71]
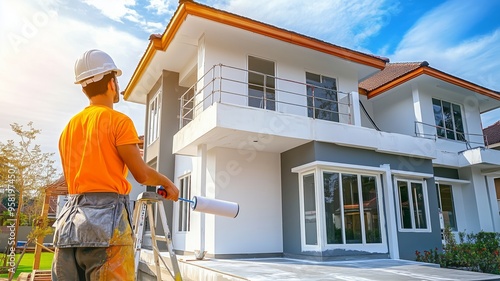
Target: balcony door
[261, 83]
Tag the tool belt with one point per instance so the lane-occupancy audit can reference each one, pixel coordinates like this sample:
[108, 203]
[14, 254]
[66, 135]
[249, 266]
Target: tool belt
[93, 220]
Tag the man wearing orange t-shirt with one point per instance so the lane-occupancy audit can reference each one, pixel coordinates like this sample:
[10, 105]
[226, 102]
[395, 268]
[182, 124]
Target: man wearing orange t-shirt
[93, 236]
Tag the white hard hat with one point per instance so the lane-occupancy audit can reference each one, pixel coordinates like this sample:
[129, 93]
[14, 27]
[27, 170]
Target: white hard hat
[92, 66]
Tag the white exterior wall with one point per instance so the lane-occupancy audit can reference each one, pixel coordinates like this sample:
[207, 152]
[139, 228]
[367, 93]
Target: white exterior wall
[398, 104]
[291, 62]
[251, 179]
[492, 199]
[476, 202]
[388, 109]
[459, 200]
[470, 116]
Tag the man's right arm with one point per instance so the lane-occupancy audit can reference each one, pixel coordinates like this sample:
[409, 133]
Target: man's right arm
[144, 174]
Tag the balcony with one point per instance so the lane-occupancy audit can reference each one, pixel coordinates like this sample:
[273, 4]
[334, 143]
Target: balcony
[459, 149]
[461, 140]
[244, 110]
[235, 86]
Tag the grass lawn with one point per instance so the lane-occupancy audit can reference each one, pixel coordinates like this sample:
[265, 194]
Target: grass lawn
[26, 264]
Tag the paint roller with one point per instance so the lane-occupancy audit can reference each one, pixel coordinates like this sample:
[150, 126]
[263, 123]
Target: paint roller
[209, 205]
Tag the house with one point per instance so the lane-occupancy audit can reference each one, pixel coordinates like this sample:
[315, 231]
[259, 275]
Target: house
[492, 135]
[331, 153]
[492, 139]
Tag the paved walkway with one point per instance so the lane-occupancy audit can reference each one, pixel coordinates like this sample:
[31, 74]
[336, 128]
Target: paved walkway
[276, 269]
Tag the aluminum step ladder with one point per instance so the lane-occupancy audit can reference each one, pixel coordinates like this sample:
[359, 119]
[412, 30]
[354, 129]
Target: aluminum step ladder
[144, 207]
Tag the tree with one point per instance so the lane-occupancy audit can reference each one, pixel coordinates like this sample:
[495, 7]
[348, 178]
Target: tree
[24, 172]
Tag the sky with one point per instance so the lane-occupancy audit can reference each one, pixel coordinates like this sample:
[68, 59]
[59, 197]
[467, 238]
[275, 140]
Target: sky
[41, 39]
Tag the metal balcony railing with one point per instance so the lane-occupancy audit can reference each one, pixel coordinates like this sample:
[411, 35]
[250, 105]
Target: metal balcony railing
[242, 87]
[429, 131]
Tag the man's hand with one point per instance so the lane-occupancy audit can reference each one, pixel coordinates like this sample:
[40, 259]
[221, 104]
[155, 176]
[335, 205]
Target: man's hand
[169, 192]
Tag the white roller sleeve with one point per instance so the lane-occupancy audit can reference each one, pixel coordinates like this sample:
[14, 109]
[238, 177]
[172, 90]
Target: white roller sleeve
[215, 206]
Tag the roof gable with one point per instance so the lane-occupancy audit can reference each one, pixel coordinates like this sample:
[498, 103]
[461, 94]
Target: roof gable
[395, 74]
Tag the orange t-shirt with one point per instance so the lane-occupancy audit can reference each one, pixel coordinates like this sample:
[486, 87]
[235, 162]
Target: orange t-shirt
[87, 145]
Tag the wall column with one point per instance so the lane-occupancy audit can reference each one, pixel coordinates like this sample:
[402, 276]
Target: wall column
[390, 212]
[355, 113]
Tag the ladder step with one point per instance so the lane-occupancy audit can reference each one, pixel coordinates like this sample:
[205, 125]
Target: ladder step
[161, 238]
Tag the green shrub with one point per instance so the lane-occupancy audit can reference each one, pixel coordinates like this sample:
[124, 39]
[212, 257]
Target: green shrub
[475, 252]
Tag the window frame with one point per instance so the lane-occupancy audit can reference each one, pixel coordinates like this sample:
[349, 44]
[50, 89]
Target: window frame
[322, 245]
[307, 247]
[183, 208]
[425, 192]
[440, 203]
[314, 109]
[267, 103]
[154, 118]
[454, 122]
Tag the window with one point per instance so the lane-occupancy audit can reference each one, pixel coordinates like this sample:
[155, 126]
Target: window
[187, 107]
[445, 196]
[351, 208]
[154, 118]
[497, 189]
[311, 232]
[261, 83]
[184, 192]
[413, 208]
[322, 102]
[448, 119]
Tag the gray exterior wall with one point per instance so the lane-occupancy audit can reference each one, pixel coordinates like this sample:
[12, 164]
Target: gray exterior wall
[290, 195]
[169, 121]
[151, 151]
[409, 242]
[169, 126]
[161, 149]
[446, 173]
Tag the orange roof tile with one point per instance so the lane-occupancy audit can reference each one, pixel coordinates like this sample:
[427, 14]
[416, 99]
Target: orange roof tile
[492, 133]
[389, 73]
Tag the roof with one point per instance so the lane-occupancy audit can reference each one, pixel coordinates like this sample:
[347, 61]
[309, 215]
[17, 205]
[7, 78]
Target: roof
[185, 8]
[391, 72]
[492, 133]
[59, 187]
[395, 74]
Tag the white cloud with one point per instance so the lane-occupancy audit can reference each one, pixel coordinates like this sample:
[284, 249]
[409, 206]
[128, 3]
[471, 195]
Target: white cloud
[114, 9]
[161, 7]
[341, 22]
[152, 27]
[119, 10]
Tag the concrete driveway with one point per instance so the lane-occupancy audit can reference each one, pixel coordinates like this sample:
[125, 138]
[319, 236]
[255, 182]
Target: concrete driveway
[274, 269]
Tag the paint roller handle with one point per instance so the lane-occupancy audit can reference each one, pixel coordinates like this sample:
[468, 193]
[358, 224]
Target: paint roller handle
[163, 193]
